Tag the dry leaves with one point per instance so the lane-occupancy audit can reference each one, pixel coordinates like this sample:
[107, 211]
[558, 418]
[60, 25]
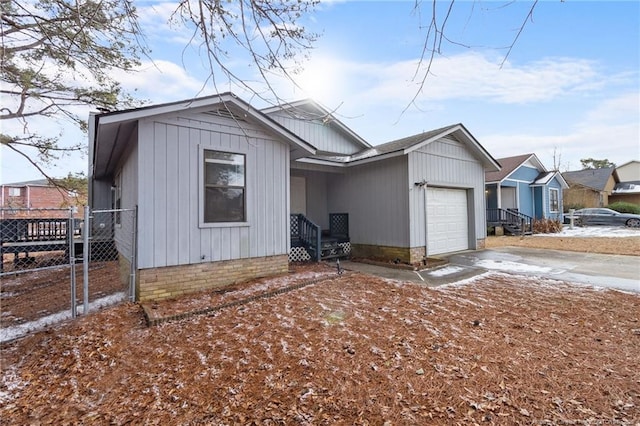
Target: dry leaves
[347, 350]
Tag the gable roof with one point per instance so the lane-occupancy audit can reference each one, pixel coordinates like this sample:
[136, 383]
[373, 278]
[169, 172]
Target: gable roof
[109, 132]
[510, 164]
[38, 182]
[308, 109]
[627, 187]
[545, 177]
[628, 163]
[591, 178]
[408, 144]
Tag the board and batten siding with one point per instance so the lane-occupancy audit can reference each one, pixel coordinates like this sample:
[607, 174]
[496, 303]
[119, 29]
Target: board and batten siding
[170, 184]
[127, 179]
[446, 163]
[322, 136]
[316, 196]
[375, 195]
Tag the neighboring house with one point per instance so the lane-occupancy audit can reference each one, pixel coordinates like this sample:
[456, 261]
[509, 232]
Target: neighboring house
[222, 188]
[629, 171]
[628, 189]
[34, 195]
[523, 186]
[590, 187]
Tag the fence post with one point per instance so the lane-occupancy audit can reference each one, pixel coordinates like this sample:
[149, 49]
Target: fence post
[134, 256]
[72, 262]
[86, 253]
[318, 243]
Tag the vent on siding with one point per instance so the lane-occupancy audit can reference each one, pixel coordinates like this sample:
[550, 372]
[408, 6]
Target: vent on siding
[225, 113]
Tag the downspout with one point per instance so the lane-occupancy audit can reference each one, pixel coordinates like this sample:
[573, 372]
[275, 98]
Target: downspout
[426, 225]
[423, 184]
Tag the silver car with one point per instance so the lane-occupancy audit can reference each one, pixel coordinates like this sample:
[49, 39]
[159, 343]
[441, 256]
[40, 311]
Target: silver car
[602, 216]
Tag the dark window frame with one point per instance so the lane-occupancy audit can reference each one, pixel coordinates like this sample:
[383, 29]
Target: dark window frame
[206, 187]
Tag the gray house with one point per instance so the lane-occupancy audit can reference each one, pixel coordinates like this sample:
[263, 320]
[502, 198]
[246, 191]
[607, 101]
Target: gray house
[226, 192]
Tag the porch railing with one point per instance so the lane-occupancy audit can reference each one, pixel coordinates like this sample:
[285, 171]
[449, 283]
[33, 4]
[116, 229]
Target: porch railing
[510, 217]
[307, 233]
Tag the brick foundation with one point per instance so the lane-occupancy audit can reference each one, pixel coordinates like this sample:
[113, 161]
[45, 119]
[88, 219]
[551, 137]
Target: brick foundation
[405, 254]
[480, 244]
[173, 281]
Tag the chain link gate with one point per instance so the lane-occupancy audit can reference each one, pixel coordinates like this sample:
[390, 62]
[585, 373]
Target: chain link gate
[37, 273]
[57, 264]
[109, 261]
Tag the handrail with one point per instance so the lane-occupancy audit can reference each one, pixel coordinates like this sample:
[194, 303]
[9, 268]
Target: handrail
[309, 234]
[509, 217]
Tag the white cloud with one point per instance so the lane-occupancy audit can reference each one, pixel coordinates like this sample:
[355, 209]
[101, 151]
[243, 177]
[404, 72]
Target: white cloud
[465, 76]
[160, 81]
[611, 130]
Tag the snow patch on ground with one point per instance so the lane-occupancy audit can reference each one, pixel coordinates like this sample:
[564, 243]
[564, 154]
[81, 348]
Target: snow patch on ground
[447, 270]
[594, 231]
[505, 265]
[465, 282]
[10, 333]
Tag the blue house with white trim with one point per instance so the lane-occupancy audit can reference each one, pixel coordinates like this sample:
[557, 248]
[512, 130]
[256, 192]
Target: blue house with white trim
[523, 190]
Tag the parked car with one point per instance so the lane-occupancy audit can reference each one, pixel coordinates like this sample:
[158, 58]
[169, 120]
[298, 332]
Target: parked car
[602, 216]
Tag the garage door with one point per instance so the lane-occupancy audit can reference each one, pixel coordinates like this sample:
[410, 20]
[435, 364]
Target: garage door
[448, 223]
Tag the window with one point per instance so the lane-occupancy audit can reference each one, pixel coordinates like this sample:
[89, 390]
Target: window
[224, 187]
[554, 199]
[14, 192]
[116, 199]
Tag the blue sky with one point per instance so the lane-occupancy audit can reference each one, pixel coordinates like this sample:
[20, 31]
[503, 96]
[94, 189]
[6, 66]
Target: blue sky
[571, 84]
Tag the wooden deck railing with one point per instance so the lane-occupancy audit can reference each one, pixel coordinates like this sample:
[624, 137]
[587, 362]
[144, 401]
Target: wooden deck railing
[36, 235]
[509, 217]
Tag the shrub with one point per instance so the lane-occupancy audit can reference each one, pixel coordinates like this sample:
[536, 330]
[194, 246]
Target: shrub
[623, 207]
[575, 206]
[546, 226]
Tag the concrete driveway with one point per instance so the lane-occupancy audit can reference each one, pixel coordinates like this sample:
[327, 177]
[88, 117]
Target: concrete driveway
[602, 270]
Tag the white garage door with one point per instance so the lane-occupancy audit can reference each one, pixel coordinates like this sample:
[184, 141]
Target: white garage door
[448, 228]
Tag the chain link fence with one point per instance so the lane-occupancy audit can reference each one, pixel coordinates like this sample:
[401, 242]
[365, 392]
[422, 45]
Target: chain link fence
[60, 263]
[108, 266]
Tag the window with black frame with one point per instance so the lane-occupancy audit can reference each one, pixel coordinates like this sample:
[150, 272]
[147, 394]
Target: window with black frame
[224, 187]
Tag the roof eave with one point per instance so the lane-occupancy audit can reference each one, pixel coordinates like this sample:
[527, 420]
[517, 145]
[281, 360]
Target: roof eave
[323, 110]
[113, 122]
[490, 163]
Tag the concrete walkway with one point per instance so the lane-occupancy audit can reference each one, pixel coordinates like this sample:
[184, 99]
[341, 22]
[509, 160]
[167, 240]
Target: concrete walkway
[602, 270]
[432, 277]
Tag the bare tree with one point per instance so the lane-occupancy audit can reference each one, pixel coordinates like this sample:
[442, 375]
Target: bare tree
[267, 30]
[59, 55]
[56, 57]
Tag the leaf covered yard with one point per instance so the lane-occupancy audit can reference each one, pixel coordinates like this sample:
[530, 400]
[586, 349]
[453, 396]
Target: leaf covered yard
[350, 349]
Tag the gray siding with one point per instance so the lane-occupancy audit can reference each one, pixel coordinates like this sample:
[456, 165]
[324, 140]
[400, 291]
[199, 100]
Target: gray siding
[316, 191]
[322, 136]
[376, 197]
[127, 177]
[170, 184]
[446, 163]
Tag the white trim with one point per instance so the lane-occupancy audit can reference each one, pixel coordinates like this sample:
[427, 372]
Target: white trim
[471, 143]
[296, 104]
[541, 169]
[352, 162]
[320, 162]
[558, 198]
[201, 223]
